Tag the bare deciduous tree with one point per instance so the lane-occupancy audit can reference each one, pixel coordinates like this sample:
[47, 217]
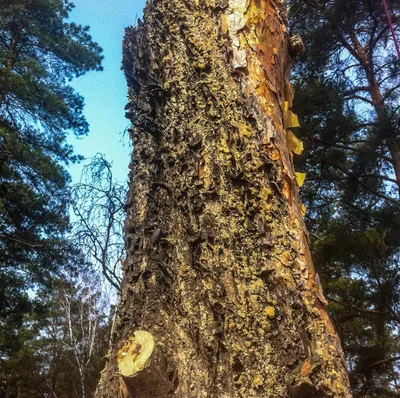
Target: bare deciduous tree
[98, 204]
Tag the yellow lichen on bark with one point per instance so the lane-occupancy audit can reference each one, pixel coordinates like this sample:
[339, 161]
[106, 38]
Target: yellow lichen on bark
[267, 76]
[229, 292]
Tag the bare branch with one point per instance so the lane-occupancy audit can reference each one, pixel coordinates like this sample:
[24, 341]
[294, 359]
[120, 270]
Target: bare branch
[397, 86]
[384, 361]
[356, 90]
[21, 242]
[358, 97]
[358, 309]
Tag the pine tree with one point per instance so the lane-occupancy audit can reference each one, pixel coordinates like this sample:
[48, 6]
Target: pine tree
[40, 52]
[347, 99]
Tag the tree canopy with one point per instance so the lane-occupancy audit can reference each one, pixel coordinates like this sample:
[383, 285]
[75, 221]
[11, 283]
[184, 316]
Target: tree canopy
[41, 51]
[347, 97]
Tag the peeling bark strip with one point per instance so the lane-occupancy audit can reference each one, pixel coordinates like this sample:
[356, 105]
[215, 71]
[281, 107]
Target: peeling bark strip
[218, 269]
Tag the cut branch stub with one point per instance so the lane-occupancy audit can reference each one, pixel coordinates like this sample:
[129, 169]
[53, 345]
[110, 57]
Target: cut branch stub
[134, 354]
[139, 372]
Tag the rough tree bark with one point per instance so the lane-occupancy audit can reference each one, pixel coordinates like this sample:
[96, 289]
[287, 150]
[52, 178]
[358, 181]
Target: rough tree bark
[219, 295]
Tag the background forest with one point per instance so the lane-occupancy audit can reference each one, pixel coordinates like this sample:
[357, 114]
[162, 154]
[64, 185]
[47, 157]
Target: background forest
[60, 242]
[347, 97]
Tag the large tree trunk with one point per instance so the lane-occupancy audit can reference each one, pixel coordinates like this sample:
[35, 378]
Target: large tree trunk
[218, 271]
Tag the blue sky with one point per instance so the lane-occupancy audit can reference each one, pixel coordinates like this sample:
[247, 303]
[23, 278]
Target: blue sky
[105, 92]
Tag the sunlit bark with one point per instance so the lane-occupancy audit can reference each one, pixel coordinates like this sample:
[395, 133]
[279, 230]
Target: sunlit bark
[218, 269]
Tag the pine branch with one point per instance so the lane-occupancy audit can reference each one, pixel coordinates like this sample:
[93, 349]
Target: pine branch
[21, 242]
[359, 309]
[384, 361]
[356, 179]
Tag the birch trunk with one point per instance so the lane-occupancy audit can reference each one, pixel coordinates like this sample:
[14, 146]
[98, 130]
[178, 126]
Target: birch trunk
[218, 273]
